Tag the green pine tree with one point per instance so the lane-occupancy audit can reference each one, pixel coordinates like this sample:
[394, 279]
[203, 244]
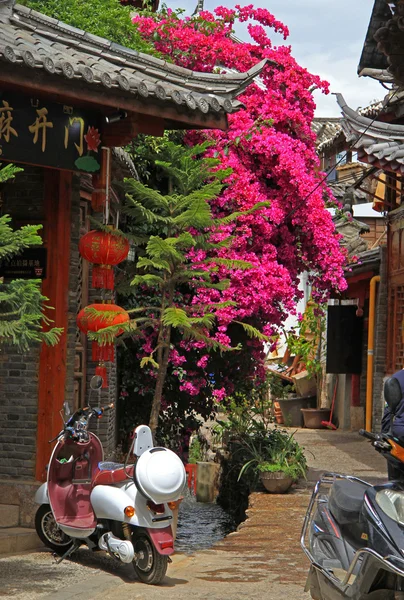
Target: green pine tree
[21, 301]
[165, 267]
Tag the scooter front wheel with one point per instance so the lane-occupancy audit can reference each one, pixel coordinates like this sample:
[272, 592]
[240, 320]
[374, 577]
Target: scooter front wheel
[149, 565]
[49, 532]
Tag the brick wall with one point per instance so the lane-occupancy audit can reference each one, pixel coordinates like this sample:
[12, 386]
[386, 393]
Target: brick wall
[380, 353]
[73, 285]
[23, 200]
[105, 427]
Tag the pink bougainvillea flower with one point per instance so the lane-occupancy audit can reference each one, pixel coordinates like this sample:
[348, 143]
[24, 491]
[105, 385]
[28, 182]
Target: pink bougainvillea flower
[271, 150]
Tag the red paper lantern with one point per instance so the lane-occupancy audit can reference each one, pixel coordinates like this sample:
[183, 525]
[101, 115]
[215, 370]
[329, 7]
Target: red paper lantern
[105, 250]
[109, 314]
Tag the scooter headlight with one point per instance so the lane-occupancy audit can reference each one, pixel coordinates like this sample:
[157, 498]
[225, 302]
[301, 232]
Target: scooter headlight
[392, 504]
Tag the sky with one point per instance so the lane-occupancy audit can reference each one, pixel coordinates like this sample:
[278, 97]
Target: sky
[326, 37]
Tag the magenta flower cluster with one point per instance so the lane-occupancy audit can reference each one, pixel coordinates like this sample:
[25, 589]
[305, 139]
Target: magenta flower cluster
[271, 149]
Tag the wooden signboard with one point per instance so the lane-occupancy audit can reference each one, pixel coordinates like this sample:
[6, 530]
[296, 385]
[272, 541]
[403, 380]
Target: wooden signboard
[36, 131]
[29, 264]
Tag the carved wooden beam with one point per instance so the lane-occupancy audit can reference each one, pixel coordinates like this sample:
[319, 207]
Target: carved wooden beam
[124, 131]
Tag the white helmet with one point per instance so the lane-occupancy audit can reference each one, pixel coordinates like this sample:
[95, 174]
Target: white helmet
[160, 475]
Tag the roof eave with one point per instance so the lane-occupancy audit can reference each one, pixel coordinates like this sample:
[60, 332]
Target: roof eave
[79, 92]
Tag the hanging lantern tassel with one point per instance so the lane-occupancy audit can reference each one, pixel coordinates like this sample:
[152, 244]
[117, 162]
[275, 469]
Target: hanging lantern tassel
[101, 370]
[103, 353]
[109, 315]
[103, 277]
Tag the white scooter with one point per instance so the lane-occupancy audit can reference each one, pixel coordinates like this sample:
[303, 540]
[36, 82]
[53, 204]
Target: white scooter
[126, 510]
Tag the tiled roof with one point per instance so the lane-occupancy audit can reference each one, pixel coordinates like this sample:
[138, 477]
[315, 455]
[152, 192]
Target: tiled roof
[33, 40]
[367, 260]
[339, 189]
[390, 40]
[329, 131]
[378, 143]
[374, 63]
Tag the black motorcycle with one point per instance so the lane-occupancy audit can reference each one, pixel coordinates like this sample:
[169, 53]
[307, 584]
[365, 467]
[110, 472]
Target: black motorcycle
[353, 532]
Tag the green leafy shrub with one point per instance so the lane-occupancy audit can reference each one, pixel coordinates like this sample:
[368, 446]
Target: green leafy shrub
[195, 451]
[106, 18]
[278, 451]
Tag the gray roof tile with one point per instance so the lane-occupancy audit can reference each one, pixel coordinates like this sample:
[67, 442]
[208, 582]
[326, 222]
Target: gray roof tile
[378, 143]
[39, 41]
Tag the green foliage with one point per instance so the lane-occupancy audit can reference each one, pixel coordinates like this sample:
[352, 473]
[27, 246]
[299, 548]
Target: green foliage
[277, 451]
[22, 304]
[294, 470]
[195, 451]
[164, 264]
[106, 18]
[173, 219]
[246, 416]
[254, 443]
[278, 387]
[304, 340]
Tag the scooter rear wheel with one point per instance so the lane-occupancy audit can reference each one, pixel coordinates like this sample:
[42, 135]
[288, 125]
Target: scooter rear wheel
[48, 531]
[150, 566]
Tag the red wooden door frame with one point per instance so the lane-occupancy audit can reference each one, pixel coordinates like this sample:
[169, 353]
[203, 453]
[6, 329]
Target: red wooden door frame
[52, 363]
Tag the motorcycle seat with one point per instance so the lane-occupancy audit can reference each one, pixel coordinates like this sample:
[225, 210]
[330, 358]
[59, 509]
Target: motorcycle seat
[346, 500]
[114, 473]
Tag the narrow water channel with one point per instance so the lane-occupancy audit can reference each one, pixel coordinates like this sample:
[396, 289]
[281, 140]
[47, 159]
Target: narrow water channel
[201, 525]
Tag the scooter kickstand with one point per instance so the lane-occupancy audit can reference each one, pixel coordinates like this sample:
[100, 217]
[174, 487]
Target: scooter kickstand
[68, 552]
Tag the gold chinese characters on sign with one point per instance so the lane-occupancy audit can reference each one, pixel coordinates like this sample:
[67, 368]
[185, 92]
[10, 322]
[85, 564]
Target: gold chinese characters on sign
[40, 126]
[6, 119]
[42, 132]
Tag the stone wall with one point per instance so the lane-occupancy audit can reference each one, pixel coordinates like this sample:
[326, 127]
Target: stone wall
[22, 198]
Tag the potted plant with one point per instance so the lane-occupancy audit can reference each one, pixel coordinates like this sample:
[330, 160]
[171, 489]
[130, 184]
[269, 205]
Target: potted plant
[305, 345]
[278, 460]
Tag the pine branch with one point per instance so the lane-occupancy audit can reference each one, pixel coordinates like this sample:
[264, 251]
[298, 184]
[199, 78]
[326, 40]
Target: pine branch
[253, 332]
[141, 213]
[159, 248]
[235, 215]
[145, 262]
[175, 317]
[148, 197]
[148, 279]
[230, 263]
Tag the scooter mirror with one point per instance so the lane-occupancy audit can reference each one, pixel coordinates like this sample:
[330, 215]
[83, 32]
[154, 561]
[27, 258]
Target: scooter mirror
[392, 393]
[96, 382]
[66, 409]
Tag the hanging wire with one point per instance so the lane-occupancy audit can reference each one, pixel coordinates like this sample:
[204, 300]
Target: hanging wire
[385, 103]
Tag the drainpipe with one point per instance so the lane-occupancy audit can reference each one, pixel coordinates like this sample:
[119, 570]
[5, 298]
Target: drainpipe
[371, 340]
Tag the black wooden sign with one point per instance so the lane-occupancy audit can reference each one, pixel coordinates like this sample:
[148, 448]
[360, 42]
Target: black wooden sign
[344, 340]
[36, 131]
[29, 264]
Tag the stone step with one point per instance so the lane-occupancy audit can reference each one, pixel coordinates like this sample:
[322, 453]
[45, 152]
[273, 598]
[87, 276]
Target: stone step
[9, 515]
[18, 539]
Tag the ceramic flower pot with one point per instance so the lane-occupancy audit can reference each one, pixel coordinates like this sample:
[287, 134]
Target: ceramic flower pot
[276, 483]
[314, 417]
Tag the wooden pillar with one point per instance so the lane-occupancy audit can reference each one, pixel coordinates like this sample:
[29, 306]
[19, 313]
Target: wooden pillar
[52, 365]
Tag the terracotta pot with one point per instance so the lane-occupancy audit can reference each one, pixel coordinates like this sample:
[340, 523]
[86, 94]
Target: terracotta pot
[291, 409]
[278, 413]
[313, 417]
[276, 483]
